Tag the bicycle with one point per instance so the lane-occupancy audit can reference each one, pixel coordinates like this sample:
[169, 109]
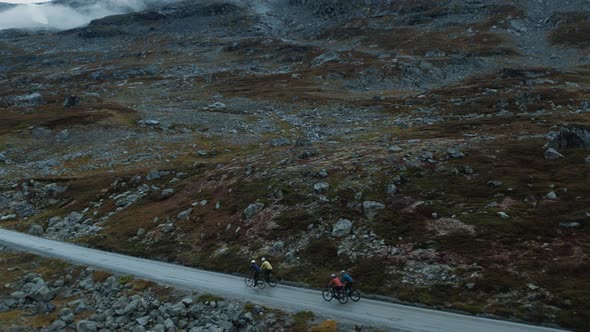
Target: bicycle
[249, 280]
[353, 293]
[329, 293]
[271, 281]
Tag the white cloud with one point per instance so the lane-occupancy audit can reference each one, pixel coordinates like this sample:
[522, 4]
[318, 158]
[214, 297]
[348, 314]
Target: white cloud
[63, 17]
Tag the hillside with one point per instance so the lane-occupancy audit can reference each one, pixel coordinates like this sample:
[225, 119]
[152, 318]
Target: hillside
[406, 141]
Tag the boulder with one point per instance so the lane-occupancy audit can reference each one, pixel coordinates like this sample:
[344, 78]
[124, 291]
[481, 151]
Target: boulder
[552, 154]
[371, 208]
[86, 326]
[43, 294]
[253, 209]
[494, 183]
[70, 101]
[184, 214]
[503, 215]
[36, 230]
[571, 136]
[321, 187]
[342, 228]
[279, 142]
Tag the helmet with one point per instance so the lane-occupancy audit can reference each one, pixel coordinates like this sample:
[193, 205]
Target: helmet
[253, 261]
[332, 275]
[263, 259]
[342, 272]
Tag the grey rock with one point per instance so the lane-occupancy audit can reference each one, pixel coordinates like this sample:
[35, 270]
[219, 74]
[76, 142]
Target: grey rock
[371, 208]
[158, 328]
[503, 215]
[8, 217]
[321, 187]
[4, 157]
[253, 209]
[75, 217]
[455, 153]
[279, 142]
[167, 228]
[342, 228]
[169, 324]
[391, 189]
[187, 301]
[43, 294]
[395, 148]
[494, 183]
[151, 123]
[138, 329]
[57, 325]
[141, 232]
[70, 101]
[571, 136]
[36, 230]
[552, 154]
[587, 160]
[167, 193]
[184, 214]
[551, 196]
[572, 224]
[202, 153]
[217, 106]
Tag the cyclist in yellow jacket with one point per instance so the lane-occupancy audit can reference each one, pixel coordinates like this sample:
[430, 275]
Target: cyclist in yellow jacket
[266, 269]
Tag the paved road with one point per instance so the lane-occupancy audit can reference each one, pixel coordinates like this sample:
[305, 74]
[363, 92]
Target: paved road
[388, 316]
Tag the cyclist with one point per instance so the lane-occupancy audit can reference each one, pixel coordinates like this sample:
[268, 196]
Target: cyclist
[255, 270]
[335, 283]
[266, 269]
[346, 280]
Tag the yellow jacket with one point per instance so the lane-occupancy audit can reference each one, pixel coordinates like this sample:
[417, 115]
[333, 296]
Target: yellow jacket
[266, 266]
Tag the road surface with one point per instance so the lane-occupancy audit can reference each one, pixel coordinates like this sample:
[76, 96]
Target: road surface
[383, 315]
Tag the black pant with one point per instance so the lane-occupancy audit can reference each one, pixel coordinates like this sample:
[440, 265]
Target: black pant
[267, 275]
[256, 275]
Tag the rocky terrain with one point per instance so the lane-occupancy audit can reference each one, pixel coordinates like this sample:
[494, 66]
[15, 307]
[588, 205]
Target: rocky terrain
[49, 295]
[437, 150]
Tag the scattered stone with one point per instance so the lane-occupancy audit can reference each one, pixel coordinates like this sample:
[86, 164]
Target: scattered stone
[342, 228]
[202, 153]
[572, 224]
[36, 230]
[151, 123]
[371, 208]
[279, 142]
[587, 160]
[217, 106]
[321, 187]
[551, 196]
[503, 215]
[184, 214]
[494, 183]
[395, 148]
[455, 153]
[391, 189]
[167, 228]
[253, 209]
[141, 232]
[86, 326]
[571, 136]
[70, 101]
[552, 154]
[166, 193]
[8, 217]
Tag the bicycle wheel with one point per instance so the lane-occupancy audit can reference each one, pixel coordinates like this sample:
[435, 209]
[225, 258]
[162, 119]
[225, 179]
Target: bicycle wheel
[342, 296]
[249, 281]
[354, 295]
[327, 294]
[272, 282]
[261, 283]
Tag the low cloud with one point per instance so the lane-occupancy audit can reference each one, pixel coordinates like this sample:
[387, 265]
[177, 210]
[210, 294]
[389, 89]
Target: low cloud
[62, 16]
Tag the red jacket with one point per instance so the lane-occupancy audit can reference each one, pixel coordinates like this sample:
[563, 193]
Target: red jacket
[335, 282]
